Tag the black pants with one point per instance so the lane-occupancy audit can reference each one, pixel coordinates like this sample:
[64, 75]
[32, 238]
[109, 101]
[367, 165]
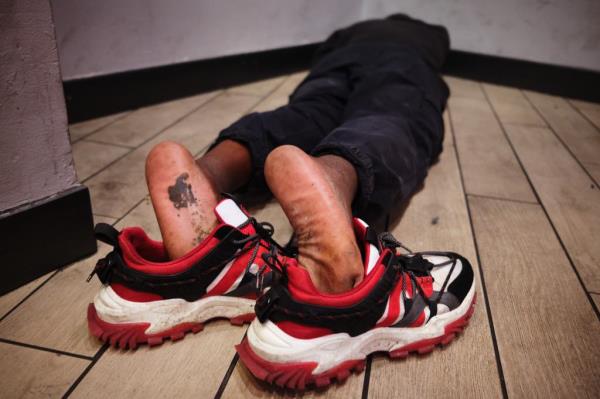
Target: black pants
[378, 104]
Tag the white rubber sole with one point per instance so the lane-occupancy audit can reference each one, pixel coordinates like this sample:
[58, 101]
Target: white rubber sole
[273, 346]
[125, 323]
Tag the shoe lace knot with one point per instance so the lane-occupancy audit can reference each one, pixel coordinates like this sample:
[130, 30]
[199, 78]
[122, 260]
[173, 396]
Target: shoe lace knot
[412, 265]
[262, 237]
[388, 240]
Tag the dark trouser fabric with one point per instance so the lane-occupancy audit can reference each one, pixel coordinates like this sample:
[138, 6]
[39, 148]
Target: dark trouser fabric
[377, 104]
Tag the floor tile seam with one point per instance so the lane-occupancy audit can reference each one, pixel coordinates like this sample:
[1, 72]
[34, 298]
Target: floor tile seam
[28, 296]
[108, 143]
[583, 115]
[498, 358]
[557, 136]
[208, 101]
[546, 213]
[44, 348]
[103, 126]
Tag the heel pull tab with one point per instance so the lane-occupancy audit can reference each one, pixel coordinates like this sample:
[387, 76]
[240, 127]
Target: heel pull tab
[107, 234]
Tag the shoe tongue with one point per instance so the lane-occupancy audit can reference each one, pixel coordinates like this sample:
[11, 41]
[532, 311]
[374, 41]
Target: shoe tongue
[230, 213]
[371, 250]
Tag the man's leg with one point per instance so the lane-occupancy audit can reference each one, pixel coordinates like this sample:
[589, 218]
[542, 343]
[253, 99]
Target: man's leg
[184, 191]
[392, 132]
[318, 203]
[376, 158]
[316, 194]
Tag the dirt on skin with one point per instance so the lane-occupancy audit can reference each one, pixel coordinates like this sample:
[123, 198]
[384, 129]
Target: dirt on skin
[180, 193]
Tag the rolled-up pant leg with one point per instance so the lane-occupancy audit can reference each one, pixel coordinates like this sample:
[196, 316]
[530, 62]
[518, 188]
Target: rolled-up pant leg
[392, 131]
[315, 108]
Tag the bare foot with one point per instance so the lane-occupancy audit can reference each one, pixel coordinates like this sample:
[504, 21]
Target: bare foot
[316, 196]
[183, 197]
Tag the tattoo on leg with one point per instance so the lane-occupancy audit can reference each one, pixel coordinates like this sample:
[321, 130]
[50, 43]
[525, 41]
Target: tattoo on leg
[180, 193]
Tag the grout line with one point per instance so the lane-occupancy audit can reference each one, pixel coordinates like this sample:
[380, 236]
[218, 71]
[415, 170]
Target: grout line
[525, 124]
[28, 295]
[230, 369]
[225, 380]
[152, 137]
[593, 292]
[367, 378]
[109, 144]
[537, 196]
[95, 359]
[240, 93]
[555, 135]
[502, 199]
[45, 349]
[127, 113]
[129, 211]
[481, 275]
[583, 115]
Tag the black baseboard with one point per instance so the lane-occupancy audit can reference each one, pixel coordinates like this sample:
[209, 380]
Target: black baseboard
[44, 236]
[546, 78]
[109, 94]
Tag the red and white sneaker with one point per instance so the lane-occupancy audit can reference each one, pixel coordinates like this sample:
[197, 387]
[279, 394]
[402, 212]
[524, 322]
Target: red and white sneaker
[406, 303]
[147, 298]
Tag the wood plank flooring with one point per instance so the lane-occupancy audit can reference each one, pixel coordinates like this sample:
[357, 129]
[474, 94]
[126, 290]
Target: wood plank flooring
[430, 223]
[548, 347]
[515, 190]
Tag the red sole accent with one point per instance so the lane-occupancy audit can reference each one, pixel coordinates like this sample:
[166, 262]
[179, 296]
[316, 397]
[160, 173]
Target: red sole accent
[427, 345]
[241, 319]
[294, 375]
[130, 335]
[299, 375]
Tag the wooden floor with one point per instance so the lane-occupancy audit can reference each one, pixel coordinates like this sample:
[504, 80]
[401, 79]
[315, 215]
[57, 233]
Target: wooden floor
[516, 191]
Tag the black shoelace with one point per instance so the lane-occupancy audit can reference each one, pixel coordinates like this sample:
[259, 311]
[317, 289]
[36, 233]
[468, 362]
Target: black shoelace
[263, 234]
[413, 265]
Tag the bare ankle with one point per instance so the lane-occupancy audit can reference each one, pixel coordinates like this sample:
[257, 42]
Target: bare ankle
[228, 165]
[342, 175]
[334, 273]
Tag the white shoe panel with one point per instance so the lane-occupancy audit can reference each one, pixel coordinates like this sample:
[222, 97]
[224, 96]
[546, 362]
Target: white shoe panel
[274, 345]
[168, 313]
[439, 274]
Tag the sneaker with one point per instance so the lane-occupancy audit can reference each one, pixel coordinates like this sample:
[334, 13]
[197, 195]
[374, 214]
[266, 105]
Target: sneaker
[147, 298]
[406, 303]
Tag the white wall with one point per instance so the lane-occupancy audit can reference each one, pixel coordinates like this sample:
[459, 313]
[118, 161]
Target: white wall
[561, 32]
[107, 36]
[36, 159]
